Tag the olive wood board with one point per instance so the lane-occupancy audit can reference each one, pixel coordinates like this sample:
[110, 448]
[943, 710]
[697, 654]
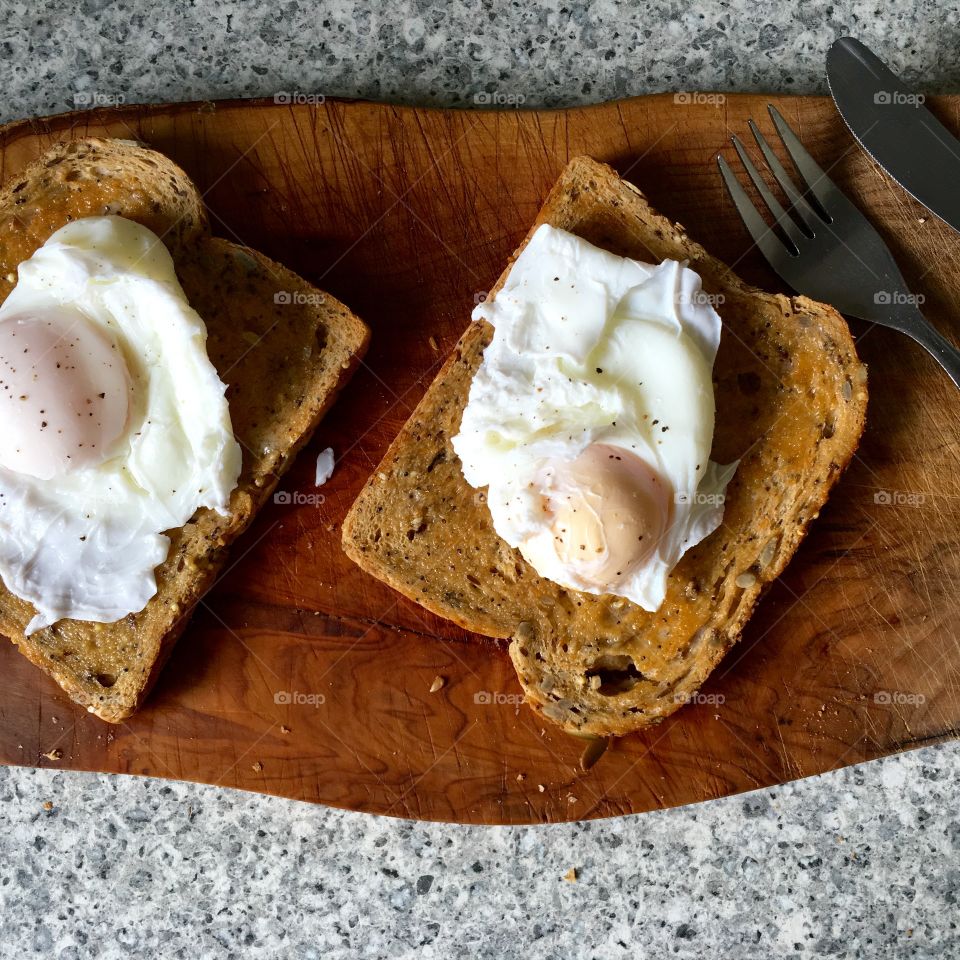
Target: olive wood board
[303, 677]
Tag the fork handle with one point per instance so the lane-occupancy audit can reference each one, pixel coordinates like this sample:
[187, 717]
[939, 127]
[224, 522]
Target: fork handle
[938, 346]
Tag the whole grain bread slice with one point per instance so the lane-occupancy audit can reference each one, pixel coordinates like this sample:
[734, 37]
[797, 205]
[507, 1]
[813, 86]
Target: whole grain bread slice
[282, 347]
[791, 399]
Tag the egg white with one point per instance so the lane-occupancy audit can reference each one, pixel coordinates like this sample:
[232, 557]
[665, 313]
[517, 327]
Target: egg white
[85, 544]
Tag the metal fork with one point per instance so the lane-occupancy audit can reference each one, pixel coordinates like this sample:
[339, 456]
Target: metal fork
[831, 254]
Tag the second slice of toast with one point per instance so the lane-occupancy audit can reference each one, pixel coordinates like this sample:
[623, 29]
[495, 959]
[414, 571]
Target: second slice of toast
[791, 400]
[282, 347]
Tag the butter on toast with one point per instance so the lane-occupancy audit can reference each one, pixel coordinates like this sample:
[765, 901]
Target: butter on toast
[283, 359]
[791, 399]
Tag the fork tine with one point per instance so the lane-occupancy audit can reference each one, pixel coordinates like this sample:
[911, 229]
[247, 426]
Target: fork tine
[819, 184]
[804, 211]
[763, 235]
[779, 214]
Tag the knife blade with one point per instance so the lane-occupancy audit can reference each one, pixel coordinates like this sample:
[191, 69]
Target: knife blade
[892, 124]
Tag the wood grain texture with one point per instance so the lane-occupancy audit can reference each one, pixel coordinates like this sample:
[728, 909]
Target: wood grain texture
[407, 216]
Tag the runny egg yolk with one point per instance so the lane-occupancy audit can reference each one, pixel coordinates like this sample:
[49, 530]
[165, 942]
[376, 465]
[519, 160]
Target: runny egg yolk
[607, 509]
[64, 392]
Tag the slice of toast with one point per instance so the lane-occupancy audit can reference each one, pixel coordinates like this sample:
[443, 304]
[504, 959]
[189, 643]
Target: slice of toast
[791, 398]
[282, 348]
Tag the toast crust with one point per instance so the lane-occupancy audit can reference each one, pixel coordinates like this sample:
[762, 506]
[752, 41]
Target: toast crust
[283, 360]
[791, 400]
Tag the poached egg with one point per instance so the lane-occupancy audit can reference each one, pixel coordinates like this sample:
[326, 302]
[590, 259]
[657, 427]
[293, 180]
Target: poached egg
[590, 419]
[116, 422]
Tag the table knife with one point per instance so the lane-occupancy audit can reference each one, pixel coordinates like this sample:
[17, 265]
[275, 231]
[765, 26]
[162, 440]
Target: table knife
[892, 124]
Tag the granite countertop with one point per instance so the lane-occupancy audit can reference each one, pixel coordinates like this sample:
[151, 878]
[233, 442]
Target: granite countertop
[859, 863]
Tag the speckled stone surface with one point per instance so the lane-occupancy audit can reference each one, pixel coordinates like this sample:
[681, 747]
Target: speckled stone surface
[861, 863]
[54, 56]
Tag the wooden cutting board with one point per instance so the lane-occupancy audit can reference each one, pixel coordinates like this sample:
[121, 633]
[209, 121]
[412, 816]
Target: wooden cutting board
[303, 677]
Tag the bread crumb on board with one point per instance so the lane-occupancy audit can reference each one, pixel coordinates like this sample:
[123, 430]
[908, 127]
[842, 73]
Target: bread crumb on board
[256, 767]
[325, 464]
[54, 755]
[437, 684]
[571, 875]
